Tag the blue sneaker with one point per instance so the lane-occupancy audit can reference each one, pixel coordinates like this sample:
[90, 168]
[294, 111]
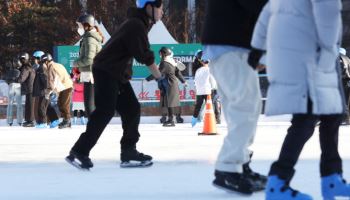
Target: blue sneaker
[278, 189]
[194, 121]
[43, 125]
[54, 124]
[334, 186]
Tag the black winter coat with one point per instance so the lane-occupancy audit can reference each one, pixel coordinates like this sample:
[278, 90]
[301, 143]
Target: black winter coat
[231, 22]
[26, 79]
[172, 73]
[128, 42]
[40, 82]
[12, 75]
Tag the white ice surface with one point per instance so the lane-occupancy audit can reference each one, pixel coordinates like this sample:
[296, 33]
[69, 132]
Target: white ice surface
[32, 165]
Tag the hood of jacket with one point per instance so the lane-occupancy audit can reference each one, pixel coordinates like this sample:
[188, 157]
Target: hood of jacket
[94, 34]
[140, 14]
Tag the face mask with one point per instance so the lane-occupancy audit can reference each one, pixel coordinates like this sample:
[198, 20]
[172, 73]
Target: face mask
[81, 31]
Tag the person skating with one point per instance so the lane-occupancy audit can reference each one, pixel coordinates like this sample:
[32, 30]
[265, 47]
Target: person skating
[90, 45]
[304, 81]
[345, 66]
[205, 85]
[26, 79]
[170, 98]
[112, 71]
[63, 86]
[78, 98]
[43, 82]
[226, 38]
[14, 94]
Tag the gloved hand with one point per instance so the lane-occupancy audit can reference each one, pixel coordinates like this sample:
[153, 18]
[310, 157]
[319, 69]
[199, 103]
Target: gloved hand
[149, 78]
[254, 57]
[163, 84]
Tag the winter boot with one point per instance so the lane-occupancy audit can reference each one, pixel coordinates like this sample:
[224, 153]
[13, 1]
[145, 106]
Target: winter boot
[79, 161]
[179, 119]
[194, 121]
[82, 120]
[169, 123]
[74, 120]
[278, 189]
[334, 186]
[132, 158]
[54, 123]
[258, 180]
[65, 124]
[233, 182]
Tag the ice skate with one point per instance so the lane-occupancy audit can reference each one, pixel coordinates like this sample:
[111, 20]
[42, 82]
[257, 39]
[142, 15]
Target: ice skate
[132, 158]
[233, 182]
[334, 186]
[258, 181]
[278, 189]
[65, 124]
[79, 161]
[54, 123]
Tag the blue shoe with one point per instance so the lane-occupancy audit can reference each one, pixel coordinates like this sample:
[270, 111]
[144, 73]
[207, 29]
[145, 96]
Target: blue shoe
[43, 125]
[54, 124]
[194, 121]
[334, 186]
[278, 189]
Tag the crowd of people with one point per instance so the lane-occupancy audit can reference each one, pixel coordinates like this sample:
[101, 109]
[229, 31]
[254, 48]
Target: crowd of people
[304, 73]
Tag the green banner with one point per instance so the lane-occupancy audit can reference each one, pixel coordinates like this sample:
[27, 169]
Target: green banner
[182, 52]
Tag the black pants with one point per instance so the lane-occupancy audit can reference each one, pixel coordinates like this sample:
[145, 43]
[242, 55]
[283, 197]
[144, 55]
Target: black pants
[45, 110]
[299, 132]
[78, 113]
[29, 108]
[89, 97]
[111, 96]
[200, 99]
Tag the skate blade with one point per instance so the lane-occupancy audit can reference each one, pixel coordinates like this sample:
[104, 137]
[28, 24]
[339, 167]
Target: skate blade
[231, 191]
[135, 164]
[76, 164]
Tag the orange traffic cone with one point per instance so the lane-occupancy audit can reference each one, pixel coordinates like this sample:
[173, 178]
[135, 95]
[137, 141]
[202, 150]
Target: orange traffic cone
[209, 127]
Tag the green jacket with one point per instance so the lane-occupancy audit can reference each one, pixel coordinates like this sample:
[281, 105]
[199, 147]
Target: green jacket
[90, 45]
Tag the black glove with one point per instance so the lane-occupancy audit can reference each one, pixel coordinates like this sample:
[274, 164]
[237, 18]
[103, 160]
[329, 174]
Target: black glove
[254, 57]
[163, 84]
[149, 78]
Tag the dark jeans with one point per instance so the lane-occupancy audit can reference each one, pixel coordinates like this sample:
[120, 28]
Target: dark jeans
[299, 132]
[64, 99]
[89, 98]
[29, 108]
[111, 96]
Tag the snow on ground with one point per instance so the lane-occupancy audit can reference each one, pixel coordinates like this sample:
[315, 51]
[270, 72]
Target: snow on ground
[32, 165]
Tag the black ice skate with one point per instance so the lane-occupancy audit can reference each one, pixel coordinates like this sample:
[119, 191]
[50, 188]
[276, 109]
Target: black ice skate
[233, 182]
[65, 124]
[179, 119]
[162, 119]
[258, 181]
[79, 161]
[132, 158]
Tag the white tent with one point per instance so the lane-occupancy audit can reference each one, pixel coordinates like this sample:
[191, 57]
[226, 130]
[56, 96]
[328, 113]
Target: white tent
[104, 32]
[159, 34]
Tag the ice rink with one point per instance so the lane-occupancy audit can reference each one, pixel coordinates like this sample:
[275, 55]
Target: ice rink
[32, 165]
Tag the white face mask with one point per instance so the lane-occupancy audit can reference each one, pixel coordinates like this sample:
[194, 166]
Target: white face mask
[81, 31]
